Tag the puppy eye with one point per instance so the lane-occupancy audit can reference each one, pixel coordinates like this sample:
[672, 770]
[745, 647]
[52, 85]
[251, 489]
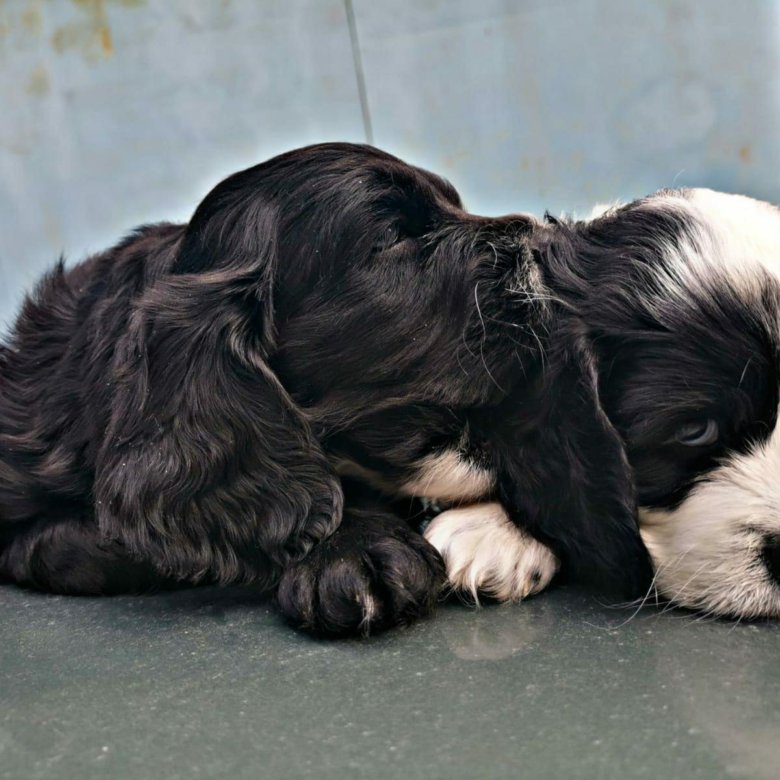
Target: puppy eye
[701, 433]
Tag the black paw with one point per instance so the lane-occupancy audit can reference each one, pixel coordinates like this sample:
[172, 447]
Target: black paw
[364, 578]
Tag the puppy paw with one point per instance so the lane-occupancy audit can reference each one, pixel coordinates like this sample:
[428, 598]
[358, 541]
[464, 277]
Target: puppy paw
[362, 579]
[485, 552]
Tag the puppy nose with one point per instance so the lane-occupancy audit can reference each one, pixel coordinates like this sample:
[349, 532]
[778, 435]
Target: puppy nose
[771, 556]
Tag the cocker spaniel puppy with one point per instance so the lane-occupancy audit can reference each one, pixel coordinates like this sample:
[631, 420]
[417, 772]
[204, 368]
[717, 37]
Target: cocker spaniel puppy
[259, 395]
[249, 398]
[678, 296]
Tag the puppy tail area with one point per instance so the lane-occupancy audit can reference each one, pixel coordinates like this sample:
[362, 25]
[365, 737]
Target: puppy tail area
[70, 557]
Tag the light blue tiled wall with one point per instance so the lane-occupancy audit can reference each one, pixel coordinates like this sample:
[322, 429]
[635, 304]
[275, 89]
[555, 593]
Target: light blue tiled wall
[116, 113]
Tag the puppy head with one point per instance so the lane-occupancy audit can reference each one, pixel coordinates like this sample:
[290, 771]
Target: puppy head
[681, 296]
[379, 288]
[309, 291]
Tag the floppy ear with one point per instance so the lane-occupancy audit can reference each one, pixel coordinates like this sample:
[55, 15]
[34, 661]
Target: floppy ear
[564, 476]
[208, 469]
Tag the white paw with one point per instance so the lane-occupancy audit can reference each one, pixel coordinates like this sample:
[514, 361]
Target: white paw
[486, 552]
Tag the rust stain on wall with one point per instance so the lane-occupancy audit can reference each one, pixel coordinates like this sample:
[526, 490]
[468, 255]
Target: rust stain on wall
[31, 18]
[38, 84]
[745, 154]
[90, 33]
[105, 40]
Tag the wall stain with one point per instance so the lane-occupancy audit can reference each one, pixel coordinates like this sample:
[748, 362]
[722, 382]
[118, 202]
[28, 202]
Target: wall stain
[745, 154]
[31, 18]
[91, 33]
[451, 161]
[38, 84]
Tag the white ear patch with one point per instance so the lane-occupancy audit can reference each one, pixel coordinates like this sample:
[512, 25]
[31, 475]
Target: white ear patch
[486, 552]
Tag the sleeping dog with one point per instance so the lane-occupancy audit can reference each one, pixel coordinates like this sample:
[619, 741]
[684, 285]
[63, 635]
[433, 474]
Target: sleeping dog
[249, 398]
[256, 397]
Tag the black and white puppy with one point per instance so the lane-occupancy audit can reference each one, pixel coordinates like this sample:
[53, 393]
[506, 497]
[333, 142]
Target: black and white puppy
[679, 296]
[245, 398]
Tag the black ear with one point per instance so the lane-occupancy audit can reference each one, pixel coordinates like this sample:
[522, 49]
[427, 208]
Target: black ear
[564, 476]
[208, 469]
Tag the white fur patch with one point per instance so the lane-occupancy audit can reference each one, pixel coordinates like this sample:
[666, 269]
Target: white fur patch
[447, 477]
[747, 230]
[368, 606]
[485, 552]
[730, 237]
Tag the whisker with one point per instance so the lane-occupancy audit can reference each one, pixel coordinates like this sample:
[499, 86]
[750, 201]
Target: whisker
[484, 336]
[681, 589]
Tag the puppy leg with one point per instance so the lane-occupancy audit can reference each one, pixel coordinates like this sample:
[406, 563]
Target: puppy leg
[69, 556]
[484, 551]
[372, 573]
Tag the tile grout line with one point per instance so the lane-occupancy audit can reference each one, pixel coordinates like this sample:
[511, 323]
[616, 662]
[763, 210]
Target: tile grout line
[359, 73]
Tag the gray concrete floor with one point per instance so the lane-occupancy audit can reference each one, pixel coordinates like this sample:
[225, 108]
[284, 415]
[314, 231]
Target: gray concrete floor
[210, 684]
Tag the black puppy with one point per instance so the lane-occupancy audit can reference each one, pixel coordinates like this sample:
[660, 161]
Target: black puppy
[212, 401]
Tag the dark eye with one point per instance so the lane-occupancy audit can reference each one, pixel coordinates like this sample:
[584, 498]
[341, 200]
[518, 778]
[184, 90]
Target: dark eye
[701, 433]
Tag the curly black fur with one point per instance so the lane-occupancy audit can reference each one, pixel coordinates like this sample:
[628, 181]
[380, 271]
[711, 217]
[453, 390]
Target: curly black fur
[176, 408]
